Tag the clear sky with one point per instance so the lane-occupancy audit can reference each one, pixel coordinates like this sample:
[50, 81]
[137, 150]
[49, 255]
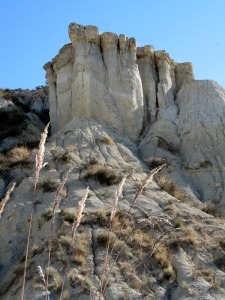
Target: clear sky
[33, 31]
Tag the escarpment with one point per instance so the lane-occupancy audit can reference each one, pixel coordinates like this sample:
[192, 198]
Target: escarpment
[117, 112]
[107, 77]
[146, 96]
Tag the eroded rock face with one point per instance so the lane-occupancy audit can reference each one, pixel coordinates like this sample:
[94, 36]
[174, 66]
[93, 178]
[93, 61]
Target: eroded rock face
[107, 77]
[189, 132]
[145, 95]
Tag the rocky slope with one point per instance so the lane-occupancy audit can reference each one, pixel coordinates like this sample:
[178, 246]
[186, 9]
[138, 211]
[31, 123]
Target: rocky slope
[119, 110]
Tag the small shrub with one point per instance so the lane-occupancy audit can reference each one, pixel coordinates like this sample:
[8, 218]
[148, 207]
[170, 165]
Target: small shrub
[63, 158]
[68, 214]
[179, 224]
[48, 185]
[162, 255]
[55, 279]
[191, 237]
[204, 164]
[155, 162]
[211, 209]
[104, 175]
[19, 154]
[8, 94]
[167, 185]
[169, 273]
[47, 214]
[170, 187]
[117, 244]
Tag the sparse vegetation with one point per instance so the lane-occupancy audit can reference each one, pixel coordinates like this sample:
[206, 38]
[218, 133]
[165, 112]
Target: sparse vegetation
[12, 122]
[106, 140]
[169, 185]
[179, 224]
[48, 185]
[102, 174]
[132, 241]
[162, 143]
[211, 209]
[63, 158]
[204, 164]
[18, 155]
[155, 162]
[208, 275]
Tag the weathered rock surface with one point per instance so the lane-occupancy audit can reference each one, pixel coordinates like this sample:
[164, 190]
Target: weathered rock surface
[24, 114]
[118, 110]
[191, 251]
[107, 77]
[190, 133]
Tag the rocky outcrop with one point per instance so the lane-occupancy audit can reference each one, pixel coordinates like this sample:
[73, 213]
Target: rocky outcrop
[116, 110]
[145, 95]
[107, 77]
[24, 114]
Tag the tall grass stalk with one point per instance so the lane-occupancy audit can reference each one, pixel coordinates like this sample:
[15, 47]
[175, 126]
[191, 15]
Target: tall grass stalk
[147, 180]
[57, 200]
[112, 216]
[39, 165]
[76, 223]
[6, 198]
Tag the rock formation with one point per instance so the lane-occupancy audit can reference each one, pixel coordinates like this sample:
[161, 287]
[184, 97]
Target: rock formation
[107, 77]
[145, 95]
[117, 110]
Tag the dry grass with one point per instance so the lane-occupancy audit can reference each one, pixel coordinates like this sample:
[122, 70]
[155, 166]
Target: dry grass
[211, 209]
[63, 158]
[106, 140]
[155, 161]
[168, 185]
[103, 237]
[185, 239]
[48, 185]
[102, 174]
[55, 279]
[68, 214]
[208, 275]
[179, 224]
[17, 155]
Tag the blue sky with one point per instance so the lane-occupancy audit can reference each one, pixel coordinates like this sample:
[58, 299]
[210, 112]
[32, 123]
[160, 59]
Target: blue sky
[32, 32]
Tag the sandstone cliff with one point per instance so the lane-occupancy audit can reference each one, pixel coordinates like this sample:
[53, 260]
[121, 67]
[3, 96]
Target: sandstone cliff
[107, 77]
[119, 110]
[145, 95]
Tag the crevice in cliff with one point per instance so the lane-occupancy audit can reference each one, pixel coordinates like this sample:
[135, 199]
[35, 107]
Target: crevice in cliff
[157, 82]
[102, 55]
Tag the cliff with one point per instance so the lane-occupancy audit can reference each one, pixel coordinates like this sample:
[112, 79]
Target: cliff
[107, 77]
[146, 96]
[117, 111]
